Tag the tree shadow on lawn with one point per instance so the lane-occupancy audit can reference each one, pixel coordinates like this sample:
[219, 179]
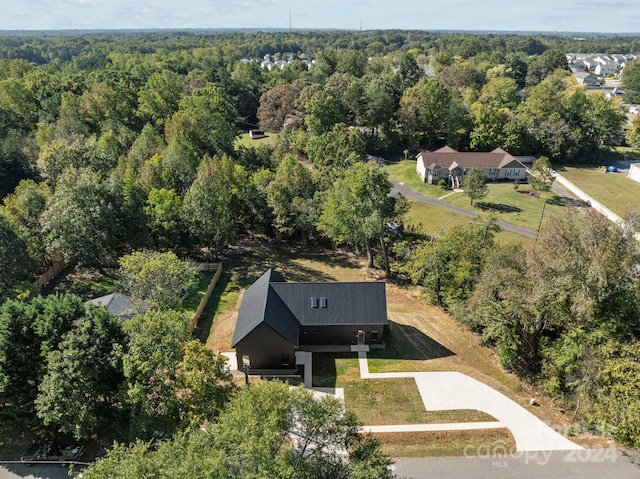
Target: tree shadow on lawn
[500, 207]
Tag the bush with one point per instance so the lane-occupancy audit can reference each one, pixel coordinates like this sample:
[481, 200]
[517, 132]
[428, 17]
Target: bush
[443, 184]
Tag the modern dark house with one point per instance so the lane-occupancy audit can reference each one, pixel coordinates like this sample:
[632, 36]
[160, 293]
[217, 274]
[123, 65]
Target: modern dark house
[278, 318]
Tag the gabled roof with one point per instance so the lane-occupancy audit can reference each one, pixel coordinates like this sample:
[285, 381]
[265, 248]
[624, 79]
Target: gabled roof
[260, 304]
[120, 305]
[449, 158]
[285, 307]
[337, 304]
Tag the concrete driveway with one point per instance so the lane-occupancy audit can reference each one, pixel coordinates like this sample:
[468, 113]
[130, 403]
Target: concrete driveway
[449, 390]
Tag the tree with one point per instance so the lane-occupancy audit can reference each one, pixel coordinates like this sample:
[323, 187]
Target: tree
[16, 264]
[206, 120]
[633, 135]
[163, 210]
[541, 174]
[278, 105]
[267, 431]
[631, 81]
[208, 209]
[80, 391]
[358, 208]
[160, 279]
[289, 195]
[150, 366]
[158, 99]
[29, 331]
[474, 184]
[448, 268]
[23, 209]
[544, 64]
[616, 402]
[204, 384]
[80, 222]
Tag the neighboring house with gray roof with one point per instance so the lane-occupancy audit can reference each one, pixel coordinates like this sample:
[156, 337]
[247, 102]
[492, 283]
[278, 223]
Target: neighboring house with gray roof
[120, 305]
[451, 165]
[278, 318]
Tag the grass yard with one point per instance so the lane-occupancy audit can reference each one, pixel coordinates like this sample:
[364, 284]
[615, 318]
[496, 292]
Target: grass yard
[444, 443]
[191, 302]
[87, 283]
[247, 142]
[429, 219]
[614, 190]
[519, 209]
[405, 172]
[421, 338]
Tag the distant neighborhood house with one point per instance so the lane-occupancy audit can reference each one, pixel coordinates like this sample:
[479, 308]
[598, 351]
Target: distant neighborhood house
[451, 165]
[585, 78]
[120, 305]
[279, 318]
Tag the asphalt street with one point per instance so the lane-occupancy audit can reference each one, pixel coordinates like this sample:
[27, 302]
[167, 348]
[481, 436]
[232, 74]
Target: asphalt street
[404, 190]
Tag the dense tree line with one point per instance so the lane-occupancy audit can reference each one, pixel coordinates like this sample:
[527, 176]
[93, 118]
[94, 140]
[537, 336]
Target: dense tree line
[71, 368]
[561, 312]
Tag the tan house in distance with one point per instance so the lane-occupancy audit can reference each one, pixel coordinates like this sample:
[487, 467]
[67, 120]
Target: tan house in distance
[451, 165]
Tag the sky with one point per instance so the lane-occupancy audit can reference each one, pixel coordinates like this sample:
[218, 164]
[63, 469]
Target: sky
[602, 16]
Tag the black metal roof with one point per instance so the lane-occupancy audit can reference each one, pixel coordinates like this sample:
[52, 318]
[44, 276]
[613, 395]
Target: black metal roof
[260, 304]
[332, 304]
[285, 307]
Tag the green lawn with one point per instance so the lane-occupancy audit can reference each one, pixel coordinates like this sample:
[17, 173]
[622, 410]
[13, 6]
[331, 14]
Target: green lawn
[405, 172]
[244, 140]
[429, 219]
[614, 190]
[191, 302]
[519, 209]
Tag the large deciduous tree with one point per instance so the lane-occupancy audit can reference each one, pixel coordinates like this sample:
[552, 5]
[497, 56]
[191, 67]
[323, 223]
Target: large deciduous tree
[208, 207]
[80, 391]
[160, 279]
[80, 223]
[448, 267]
[207, 120]
[29, 331]
[358, 208]
[290, 197]
[17, 265]
[631, 81]
[267, 431]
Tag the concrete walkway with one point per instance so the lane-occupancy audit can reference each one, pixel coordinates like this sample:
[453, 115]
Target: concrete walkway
[453, 390]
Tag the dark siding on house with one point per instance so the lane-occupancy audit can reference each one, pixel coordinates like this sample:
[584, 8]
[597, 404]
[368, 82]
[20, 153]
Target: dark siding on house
[327, 335]
[265, 348]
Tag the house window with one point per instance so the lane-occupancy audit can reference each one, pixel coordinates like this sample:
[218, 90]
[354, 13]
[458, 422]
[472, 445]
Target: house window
[516, 172]
[374, 335]
[323, 302]
[314, 302]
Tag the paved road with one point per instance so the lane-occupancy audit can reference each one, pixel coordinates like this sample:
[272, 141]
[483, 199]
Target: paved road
[581, 464]
[401, 188]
